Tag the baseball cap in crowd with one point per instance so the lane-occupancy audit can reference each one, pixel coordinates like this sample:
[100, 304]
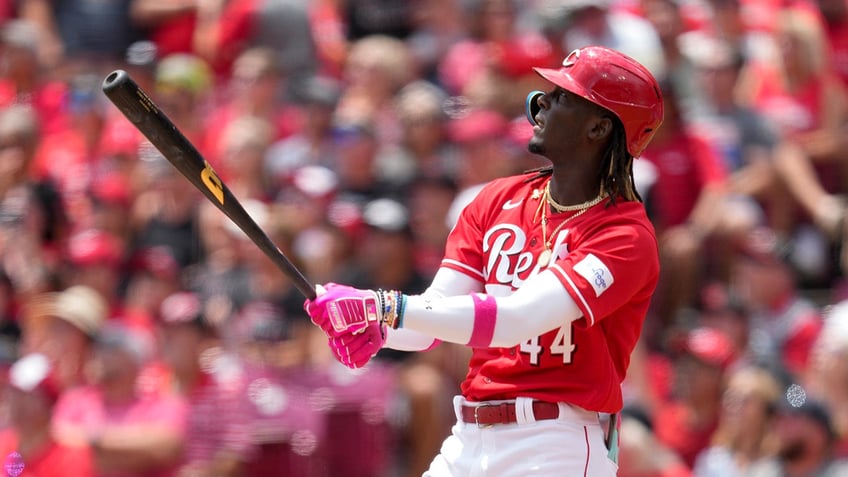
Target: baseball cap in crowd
[710, 346]
[317, 182]
[112, 188]
[33, 373]
[184, 72]
[142, 54]
[478, 125]
[318, 90]
[262, 321]
[158, 261]
[21, 34]
[762, 245]
[421, 100]
[386, 215]
[135, 341]
[183, 308]
[80, 305]
[94, 247]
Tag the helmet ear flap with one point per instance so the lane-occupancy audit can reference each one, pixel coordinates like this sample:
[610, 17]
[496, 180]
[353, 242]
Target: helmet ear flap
[531, 105]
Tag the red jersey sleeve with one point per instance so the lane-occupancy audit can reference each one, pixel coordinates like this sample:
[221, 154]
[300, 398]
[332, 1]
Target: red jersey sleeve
[463, 251]
[607, 268]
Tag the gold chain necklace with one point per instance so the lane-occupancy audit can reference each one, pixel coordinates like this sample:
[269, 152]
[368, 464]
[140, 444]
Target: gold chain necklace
[545, 256]
[570, 208]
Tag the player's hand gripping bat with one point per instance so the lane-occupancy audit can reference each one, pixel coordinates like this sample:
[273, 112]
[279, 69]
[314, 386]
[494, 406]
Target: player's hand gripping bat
[134, 103]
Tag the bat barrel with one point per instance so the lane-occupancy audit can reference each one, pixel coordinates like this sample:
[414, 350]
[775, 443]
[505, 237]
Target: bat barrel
[143, 113]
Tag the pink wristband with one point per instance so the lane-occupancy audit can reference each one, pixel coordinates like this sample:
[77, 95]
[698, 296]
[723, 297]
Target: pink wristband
[436, 342]
[485, 314]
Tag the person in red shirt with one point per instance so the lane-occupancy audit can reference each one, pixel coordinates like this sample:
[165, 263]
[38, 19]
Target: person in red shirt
[170, 24]
[27, 448]
[497, 49]
[686, 203]
[255, 89]
[686, 423]
[23, 79]
[547, 276]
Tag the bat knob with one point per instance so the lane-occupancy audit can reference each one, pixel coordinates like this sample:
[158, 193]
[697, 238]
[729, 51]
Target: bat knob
[114, 80]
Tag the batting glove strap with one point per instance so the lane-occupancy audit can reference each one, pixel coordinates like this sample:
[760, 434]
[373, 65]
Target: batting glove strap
[353, 313]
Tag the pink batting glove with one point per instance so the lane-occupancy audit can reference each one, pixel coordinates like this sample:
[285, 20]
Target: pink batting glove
[355, 350]
[340, 309]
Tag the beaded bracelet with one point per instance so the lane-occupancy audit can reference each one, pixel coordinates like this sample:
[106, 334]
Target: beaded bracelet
[392, 303]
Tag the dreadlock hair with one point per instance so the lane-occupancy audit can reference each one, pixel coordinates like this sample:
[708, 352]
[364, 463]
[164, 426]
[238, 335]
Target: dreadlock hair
[616, 169]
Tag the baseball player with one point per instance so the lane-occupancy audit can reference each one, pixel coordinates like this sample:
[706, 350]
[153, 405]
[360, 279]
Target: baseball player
[547, 276]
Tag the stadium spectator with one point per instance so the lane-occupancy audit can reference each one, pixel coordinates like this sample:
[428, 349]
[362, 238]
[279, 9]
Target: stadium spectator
[747, 140]
[424, 149]
[170, 25]
[805, 441]
[687, 422]
[686, 205]
[480, 136]
[81, 34]
[217, 430]
[745, 433]
[312, 144]
[131, 433]
[641, 454]
[27, 447]
[225, 30]
[784, 323]
[24, 78]
[827, 376]
[256, 88]
[33, 220]
[496, 55]
[667, 19]
[591, 22]
[285, 428]
[63, 326]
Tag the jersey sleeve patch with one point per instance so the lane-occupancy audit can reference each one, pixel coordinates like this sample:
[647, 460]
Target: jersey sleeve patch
[595, 272]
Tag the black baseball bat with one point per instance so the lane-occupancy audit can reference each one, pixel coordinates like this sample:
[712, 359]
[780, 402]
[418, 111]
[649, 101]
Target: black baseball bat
[137, 106]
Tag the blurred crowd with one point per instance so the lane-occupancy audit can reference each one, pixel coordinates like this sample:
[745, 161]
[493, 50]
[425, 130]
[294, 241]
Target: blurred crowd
[142, 334]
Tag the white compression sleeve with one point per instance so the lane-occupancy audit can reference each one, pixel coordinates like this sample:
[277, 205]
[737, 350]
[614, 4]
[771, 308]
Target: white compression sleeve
[539, 306]
[446, 282]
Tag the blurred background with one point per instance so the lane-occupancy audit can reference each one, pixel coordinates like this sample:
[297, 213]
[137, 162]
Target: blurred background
[142, 334]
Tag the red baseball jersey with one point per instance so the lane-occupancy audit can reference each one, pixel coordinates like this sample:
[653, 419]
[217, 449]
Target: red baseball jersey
[606, 260]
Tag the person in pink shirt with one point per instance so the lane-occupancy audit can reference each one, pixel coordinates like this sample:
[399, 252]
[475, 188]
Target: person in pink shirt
[131, 433]
[217, 434]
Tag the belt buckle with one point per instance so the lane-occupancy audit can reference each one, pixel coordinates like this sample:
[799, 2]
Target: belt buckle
[477, 418]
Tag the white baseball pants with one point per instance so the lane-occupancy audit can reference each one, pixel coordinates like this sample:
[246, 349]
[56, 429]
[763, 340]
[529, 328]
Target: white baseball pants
[571, 445]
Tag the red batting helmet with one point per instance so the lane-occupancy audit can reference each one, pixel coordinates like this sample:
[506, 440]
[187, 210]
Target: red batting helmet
[617, 83]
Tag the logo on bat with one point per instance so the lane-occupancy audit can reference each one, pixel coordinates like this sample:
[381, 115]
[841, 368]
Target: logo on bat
[212, 182]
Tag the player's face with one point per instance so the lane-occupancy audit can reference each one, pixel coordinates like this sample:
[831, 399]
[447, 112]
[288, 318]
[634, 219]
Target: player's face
[562, 123]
